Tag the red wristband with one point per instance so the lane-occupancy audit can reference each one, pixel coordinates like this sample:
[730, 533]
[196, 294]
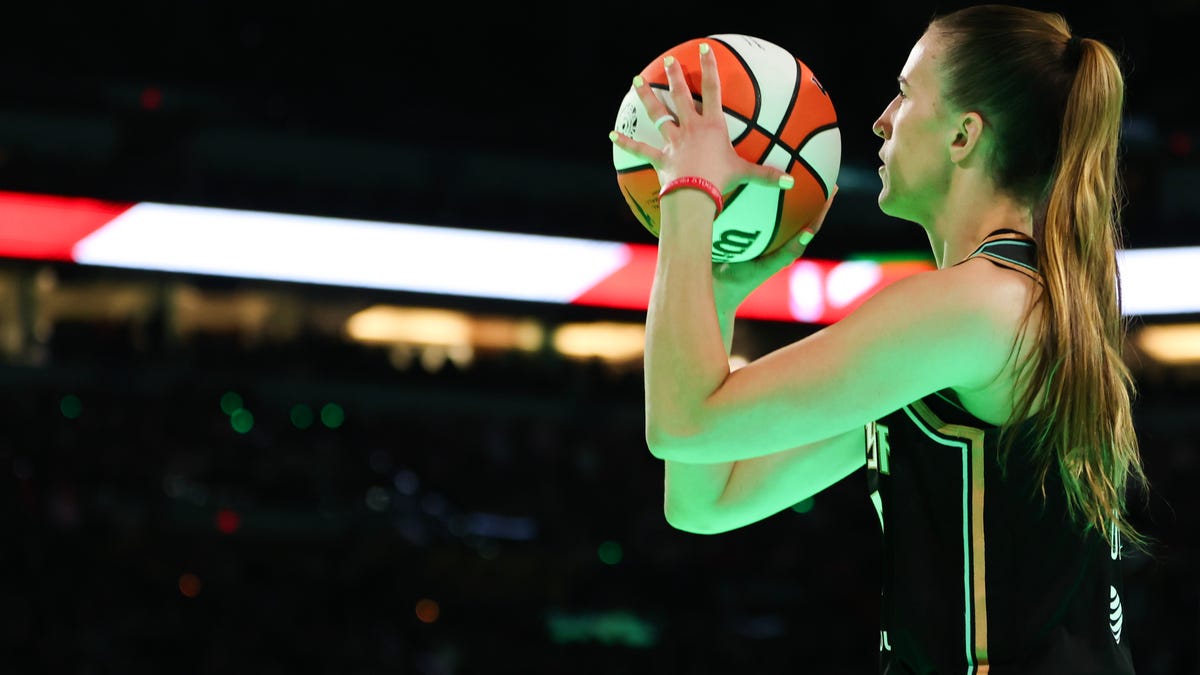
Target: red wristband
[695, 183]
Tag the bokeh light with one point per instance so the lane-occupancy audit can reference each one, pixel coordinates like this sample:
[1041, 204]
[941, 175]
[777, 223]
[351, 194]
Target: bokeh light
[610, 553]
[189, 585]
[231, 402]
[71, 406]
[332, 415]
[242, 421]
[302, 416]
[228, 521]
[427, 610]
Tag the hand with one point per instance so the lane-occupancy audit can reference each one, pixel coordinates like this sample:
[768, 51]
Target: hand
[697, 142]
[734, 282]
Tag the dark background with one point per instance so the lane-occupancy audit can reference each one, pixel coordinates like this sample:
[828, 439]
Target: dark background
[517, 494]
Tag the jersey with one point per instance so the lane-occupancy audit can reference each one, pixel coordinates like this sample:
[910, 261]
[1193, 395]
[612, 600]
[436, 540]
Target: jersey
[979, 574]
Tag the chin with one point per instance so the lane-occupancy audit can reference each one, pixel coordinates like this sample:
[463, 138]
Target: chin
[885, 202]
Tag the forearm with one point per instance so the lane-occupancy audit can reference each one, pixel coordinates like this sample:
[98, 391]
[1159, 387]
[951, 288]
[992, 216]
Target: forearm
[690, 489]
[686, 357]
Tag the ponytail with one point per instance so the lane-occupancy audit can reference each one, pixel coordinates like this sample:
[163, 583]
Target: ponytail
[1085, 421]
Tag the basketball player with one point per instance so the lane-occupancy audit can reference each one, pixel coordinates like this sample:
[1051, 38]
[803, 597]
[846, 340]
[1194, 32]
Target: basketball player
[986, 399]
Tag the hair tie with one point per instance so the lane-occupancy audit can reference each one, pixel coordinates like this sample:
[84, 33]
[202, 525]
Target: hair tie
[1074, 50]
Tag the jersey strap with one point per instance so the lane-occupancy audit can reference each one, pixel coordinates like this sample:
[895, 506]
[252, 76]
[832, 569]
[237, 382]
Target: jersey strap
[1009, 249]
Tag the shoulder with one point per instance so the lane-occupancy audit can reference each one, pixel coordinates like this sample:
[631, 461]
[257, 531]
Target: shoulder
[997, 296]
[975, 289]
[969, 314]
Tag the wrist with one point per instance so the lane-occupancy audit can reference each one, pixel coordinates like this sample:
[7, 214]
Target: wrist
[702, 185]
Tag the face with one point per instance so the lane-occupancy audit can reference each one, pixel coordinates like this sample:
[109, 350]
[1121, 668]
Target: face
[916, 165]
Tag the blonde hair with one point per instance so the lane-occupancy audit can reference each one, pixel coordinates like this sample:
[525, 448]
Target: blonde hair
[1055, 104]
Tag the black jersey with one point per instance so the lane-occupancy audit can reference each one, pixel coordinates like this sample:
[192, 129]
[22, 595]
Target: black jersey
[979, 575]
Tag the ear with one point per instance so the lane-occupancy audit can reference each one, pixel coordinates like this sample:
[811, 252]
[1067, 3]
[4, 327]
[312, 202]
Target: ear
[968, 137]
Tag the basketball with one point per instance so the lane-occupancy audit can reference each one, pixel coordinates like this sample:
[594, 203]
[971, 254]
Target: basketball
[778, 115]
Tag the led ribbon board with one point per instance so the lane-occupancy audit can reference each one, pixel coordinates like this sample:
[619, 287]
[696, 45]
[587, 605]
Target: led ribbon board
[451, 261]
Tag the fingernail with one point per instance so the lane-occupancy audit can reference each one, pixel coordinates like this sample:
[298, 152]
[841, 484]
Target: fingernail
[805, 237]
[612, 136]
[703, 47]
[786, 181]
[638, 81]
[669, 61]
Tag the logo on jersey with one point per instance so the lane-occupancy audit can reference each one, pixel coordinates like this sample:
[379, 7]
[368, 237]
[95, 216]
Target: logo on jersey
[878, 453]
[1115, 616]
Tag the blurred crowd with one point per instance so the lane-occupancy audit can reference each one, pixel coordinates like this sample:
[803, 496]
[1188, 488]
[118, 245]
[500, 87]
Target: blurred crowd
[310, 508]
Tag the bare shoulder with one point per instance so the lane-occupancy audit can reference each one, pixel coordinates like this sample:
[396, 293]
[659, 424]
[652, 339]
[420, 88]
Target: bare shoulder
[975, 290]
[999, 300]
[1000, 294]
[973, 311]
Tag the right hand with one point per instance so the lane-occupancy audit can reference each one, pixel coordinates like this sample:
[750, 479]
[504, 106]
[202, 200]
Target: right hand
[734, 282]
[696, 142]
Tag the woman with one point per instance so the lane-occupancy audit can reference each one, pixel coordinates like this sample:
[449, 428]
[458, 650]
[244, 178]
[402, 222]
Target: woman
[987, 399]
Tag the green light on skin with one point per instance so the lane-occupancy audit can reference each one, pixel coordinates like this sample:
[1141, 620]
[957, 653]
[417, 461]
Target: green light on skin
[231, 402]
[610, 553]
[804, 506]
[71, 406]
[302, 416]
[332, 415]
[889, 256]
[241, 420]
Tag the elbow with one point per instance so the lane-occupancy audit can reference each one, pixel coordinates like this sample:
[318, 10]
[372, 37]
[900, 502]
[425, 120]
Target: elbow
[690, 519]
[657, 444]
[671, 444]
[669, 426]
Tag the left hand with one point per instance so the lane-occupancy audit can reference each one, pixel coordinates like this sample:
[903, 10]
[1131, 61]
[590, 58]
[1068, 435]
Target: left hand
[697, 143]
[734, 282]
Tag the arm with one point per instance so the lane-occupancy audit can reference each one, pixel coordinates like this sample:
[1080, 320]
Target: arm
[741, 445]
[686, 362]
[718, 497]
[712, 498]
[918, 335]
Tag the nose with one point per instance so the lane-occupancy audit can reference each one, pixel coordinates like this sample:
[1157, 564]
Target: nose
[881, 128]
[883, 125]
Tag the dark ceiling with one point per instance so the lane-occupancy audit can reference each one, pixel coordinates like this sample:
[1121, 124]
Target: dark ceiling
[492, 117]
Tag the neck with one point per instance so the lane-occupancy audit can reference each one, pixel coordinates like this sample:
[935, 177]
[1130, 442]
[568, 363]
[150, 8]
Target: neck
[971, 210]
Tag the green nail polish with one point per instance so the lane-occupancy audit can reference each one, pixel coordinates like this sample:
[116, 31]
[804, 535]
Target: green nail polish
[638, 81]
[786, 182]
[612, 136]
[668, 61]
[703, 47]
[805, 237]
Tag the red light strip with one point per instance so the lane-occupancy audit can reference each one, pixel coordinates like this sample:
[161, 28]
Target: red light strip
[340, 252]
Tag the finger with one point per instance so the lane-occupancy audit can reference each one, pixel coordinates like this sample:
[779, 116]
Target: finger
[789, 252]
[762, 174]
[643, 150]
[654, 106]
[710, 79]
[679, 91]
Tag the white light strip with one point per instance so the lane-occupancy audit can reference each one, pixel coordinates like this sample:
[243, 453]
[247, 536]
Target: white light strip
[452, 261]
[321, 250]
[1160, 280]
